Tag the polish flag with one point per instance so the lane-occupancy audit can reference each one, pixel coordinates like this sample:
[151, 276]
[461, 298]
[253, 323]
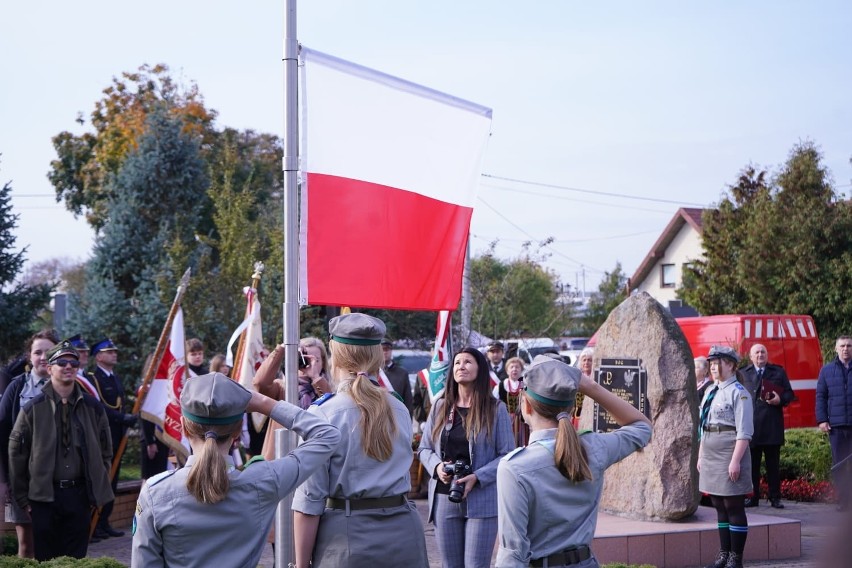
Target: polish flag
[162, 403]
[390, 171]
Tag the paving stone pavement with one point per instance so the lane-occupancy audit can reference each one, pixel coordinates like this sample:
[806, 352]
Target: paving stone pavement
[825, 533]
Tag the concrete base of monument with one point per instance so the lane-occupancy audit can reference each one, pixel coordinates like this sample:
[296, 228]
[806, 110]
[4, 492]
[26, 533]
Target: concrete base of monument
[693, 542]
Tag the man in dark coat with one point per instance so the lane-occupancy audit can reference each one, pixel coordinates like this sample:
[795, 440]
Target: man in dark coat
[397, 375]
[834, 415]
[494, 352]
[771, 391]
[111, 393]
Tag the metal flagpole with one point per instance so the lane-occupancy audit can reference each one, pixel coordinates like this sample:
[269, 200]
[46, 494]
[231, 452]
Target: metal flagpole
[285, 440]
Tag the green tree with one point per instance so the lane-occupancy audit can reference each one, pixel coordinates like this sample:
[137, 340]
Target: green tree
[779, 246]
[514, 298]
[20, 303]
[611, 292]
[156, 196]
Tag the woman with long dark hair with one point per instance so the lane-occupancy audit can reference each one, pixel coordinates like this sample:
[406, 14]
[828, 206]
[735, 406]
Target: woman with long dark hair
[466, 434]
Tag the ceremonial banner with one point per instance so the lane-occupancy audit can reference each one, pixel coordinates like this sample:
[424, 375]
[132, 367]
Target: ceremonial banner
[390, 171]
[435, 377]
[162, 404]
[253, 351]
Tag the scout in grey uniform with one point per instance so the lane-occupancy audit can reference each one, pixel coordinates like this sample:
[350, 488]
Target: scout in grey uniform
[547, 509]
[724, 461]
[208, 513]
[355, 512]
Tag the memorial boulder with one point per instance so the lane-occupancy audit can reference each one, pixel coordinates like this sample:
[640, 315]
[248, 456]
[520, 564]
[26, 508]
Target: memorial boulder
[647, 360]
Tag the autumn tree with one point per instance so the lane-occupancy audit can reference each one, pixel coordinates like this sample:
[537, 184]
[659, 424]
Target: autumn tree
[779, 245]
[20, 303]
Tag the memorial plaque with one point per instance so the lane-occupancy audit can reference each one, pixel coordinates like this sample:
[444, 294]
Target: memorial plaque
[627, 379]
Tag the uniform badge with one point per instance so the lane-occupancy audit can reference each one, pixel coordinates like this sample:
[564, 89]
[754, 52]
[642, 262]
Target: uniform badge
[323, 399]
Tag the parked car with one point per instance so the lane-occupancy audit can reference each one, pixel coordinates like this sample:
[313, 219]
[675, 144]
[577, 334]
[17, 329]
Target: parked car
[413, 361]
[528, 347]
[572, 347]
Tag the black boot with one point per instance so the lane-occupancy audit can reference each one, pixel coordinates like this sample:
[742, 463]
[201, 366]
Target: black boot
[734, 560]
[721, 560]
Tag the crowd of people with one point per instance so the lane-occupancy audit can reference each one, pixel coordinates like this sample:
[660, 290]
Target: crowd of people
[501, 454]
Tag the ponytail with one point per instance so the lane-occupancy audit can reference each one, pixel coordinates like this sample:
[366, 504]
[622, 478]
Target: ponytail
[378, 425]
[208, 479]
[569, 454]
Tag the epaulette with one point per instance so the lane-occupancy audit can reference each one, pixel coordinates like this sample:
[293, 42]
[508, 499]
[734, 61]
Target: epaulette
[398, 396]
[584, 432]
[514, 452]
[159, 477]
[323, 399]
[255, 459]
[739, 385]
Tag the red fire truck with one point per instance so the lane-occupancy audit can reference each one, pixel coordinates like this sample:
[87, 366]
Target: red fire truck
[791, 341]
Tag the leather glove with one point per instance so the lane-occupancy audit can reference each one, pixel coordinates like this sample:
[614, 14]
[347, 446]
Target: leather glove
[130, 420]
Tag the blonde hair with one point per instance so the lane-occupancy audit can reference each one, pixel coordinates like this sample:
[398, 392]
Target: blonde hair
[569, 454]
[378, 426]
[208, 478]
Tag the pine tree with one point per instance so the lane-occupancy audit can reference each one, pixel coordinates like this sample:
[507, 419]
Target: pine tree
[20, 304]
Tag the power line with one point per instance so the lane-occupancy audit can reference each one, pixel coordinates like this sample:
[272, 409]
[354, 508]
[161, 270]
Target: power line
[538, 194]
[593, 192]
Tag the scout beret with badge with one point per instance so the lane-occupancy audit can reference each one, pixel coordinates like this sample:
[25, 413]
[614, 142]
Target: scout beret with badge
[551, 382]
[723, 352]
[213, 399]
[357, 329]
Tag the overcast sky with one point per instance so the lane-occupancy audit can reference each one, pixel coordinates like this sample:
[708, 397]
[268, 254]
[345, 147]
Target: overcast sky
[644, 106]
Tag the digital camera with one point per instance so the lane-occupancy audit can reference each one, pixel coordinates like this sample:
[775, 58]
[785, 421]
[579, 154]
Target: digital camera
[458, 469]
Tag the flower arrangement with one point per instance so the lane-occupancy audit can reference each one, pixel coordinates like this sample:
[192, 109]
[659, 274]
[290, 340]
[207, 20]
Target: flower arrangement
[803, 490]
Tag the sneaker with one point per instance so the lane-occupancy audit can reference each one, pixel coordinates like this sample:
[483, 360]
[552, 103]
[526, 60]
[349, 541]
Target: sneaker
[734, 560]
[751, 502]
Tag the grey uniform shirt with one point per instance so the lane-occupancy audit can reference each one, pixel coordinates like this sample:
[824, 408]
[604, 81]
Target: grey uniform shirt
[540, 512]
[171, 528]
[350, 473]
[732, 406]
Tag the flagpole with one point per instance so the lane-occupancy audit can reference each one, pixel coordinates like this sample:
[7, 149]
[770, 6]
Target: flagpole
[146, 382]
[286, 440]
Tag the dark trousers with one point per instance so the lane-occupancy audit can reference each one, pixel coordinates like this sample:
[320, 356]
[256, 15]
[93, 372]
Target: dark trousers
[61, 528]
[773, 469]
[106, 511]
[159, 464]
[840, 438]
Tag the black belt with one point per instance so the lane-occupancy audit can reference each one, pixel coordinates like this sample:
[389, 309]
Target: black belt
[572, 555]
[361, 504]
[719, 428]
[69, 483]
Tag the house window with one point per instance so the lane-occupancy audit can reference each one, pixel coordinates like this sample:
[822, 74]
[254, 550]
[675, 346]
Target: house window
[667, 276]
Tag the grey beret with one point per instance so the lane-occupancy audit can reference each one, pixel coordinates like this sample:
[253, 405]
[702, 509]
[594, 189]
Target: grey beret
[551, 382]
[213, 399]
[357, 329]
[723, 352]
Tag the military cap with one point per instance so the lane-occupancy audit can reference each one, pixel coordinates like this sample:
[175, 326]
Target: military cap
[387, 342]
[213, 399]
[64, 347]
[78, 342]
[723, 352]
[356, 329]
[102, 345]
[551, 382]
[495, 346]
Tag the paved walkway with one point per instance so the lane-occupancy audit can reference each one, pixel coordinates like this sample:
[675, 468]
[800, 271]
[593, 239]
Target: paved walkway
[824, 533]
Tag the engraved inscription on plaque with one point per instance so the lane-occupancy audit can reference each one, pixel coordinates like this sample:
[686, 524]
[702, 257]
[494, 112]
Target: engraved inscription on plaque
[625, 378]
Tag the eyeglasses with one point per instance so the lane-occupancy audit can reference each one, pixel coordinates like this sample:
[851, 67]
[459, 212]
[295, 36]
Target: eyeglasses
[66, 362]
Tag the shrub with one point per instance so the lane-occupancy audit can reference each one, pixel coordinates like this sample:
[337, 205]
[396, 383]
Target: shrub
[62, 562]
[806, 454]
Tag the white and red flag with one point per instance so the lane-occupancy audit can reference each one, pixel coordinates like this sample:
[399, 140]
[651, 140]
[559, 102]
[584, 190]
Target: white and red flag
[435, 376]
[390, 171]
[251, 353]
[162, 403]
